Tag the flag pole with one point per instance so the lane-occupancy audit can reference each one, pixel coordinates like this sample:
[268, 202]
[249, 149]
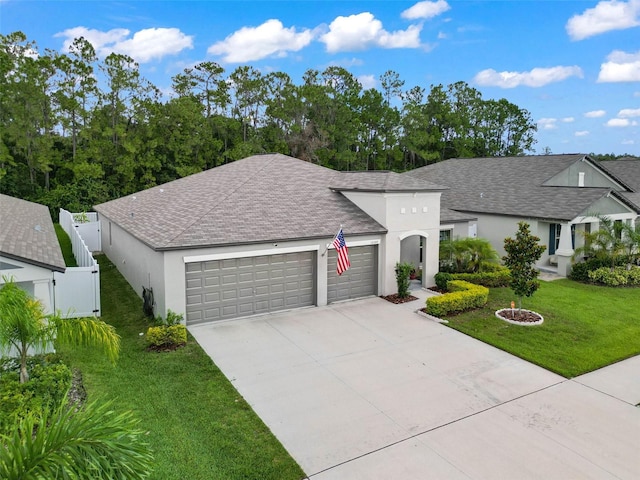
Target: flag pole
[328, 244]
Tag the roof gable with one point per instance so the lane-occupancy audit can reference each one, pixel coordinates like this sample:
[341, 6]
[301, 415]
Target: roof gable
[511, 186]
[27, 234]
[593, 175]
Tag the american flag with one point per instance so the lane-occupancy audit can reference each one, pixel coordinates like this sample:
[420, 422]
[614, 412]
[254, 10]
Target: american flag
[343, 253]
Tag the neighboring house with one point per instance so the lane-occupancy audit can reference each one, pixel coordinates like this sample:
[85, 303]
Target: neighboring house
[558, 195]
[29, 249]
[253, 236]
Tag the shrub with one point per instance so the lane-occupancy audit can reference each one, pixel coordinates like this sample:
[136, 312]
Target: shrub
[615, 277]
[633, 276]
[167, 336]
[403, 271]
[491, 267]
[43, 392]
[172, 318]
[441, 279]
[580, 271]
[496, 278]
[463, 296]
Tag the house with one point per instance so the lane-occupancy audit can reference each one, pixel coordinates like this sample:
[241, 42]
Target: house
[254, 236]
[558, 195]
[29, 248]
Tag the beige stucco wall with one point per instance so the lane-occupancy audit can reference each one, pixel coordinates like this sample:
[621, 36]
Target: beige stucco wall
[404, 215]
[138, 263]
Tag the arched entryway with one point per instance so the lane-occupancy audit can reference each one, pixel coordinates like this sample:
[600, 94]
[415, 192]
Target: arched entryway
[413, 249]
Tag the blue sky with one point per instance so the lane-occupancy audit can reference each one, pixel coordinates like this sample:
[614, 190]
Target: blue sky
[575, 65]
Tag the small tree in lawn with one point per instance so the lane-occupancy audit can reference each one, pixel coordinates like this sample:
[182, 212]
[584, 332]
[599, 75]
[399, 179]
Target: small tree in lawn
[522, 254]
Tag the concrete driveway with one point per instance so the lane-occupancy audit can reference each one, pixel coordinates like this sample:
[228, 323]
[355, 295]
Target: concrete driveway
[371, 390]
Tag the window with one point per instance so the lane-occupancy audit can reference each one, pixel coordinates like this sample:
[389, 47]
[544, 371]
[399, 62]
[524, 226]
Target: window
[445, 235]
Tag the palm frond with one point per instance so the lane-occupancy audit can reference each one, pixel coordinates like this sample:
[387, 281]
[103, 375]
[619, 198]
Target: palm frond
[91, 443]
[88, 332]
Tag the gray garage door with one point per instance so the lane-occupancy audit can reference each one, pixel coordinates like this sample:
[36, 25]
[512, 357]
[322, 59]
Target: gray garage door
[238, 287]
[360, 280]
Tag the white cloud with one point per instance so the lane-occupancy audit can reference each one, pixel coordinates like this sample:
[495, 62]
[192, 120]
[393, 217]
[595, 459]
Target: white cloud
[548, 123]
[605, 16]
[629, 112]
[442, 36]
[628, 142]
[595, 114]
[144, 46]
[254, 43]
[359, 32]
[568, 119]
[620, 67]
[582, 133]
[367, 81]
[621, 122]
[537, 77]
[636, 94]
[425, 10]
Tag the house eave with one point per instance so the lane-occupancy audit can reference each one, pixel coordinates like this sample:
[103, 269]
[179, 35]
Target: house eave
[46, 266]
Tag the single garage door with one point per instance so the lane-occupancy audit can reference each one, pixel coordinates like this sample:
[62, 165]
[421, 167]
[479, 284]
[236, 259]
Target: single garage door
[361, 280]
[238, 287]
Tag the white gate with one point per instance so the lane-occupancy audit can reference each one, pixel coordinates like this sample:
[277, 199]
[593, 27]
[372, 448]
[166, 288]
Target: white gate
[77, 290]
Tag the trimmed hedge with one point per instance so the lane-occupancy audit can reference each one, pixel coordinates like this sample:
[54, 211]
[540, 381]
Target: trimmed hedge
[463, 296]
[498, 278]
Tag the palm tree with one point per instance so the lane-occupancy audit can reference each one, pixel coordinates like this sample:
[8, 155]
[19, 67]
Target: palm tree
[93, 442]
[631, 236]
[24, 327]
[469, 253]
[608, 243]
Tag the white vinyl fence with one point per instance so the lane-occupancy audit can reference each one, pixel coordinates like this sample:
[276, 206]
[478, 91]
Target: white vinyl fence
[77, 291]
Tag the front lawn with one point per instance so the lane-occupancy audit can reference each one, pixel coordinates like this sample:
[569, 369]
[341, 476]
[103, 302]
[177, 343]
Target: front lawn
[199, 426]
[585, 327]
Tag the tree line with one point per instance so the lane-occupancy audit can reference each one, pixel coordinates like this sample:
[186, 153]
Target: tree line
[77, 130]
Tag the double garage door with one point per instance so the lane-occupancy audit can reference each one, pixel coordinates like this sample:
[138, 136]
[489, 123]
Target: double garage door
[239, 287]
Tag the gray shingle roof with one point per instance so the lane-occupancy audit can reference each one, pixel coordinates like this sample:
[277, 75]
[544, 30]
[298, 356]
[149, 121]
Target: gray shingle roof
[27, 234]
[262, 198]
[628, 171]
[510, 186]
[382, 181]
[451, 216]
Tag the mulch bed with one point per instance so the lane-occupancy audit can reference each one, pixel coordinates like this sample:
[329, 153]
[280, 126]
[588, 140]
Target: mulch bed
[167, 347]
[523, 316]
[77, 395]
[396, 299]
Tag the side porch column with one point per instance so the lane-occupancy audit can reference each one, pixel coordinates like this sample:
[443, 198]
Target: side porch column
[565, 250]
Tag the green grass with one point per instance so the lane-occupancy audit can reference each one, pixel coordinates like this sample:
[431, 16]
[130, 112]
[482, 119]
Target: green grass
[585, 327]
[199, 426]
[65, 245]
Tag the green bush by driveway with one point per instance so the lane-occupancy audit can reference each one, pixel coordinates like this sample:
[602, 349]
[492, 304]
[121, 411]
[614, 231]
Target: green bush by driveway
[585, 327]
